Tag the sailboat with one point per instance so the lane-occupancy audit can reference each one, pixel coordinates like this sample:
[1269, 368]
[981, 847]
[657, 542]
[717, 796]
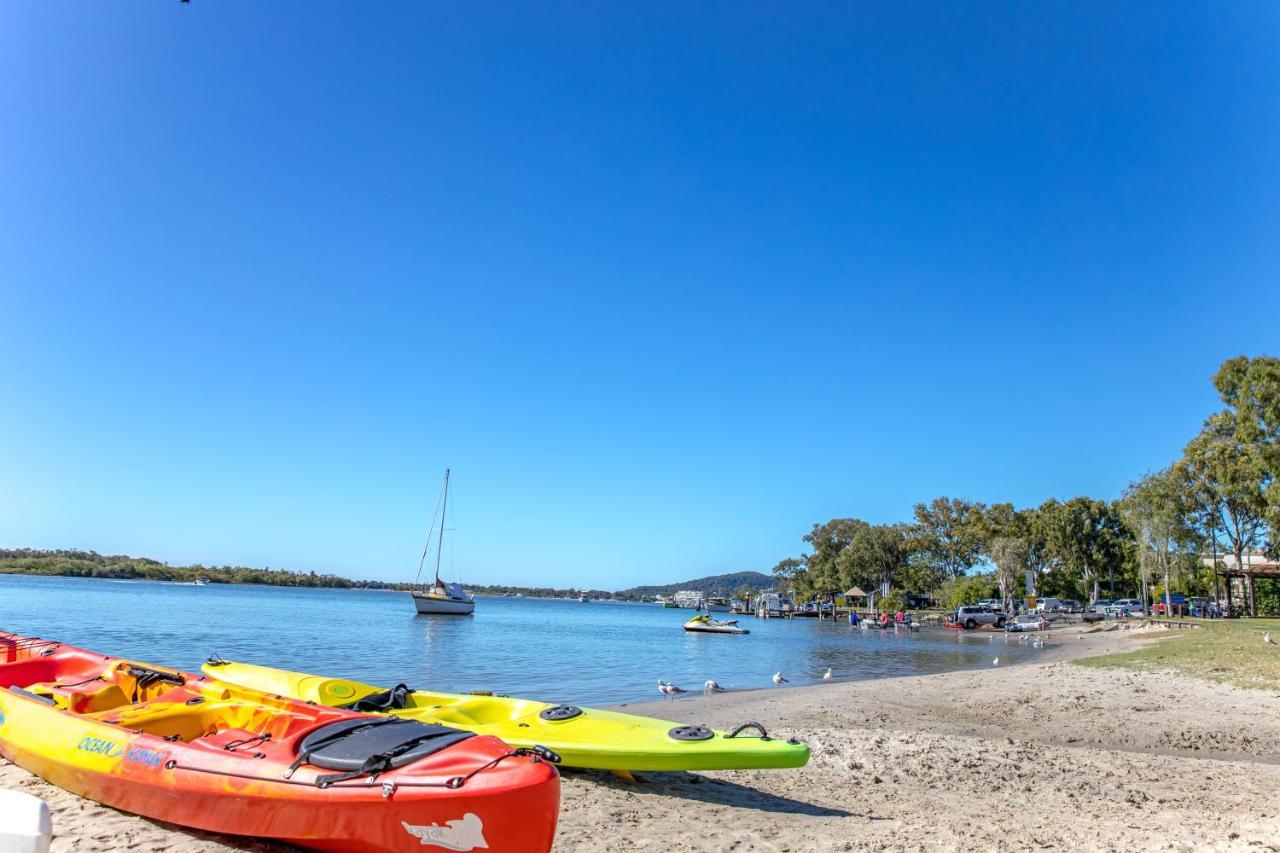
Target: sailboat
[441, 598]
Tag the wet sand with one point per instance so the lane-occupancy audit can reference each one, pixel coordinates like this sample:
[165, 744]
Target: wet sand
[1041, 755]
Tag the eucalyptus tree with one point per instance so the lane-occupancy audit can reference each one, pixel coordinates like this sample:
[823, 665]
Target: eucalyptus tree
[949, 534]
[1228, 479]
[1156, 509]
[1011, 556]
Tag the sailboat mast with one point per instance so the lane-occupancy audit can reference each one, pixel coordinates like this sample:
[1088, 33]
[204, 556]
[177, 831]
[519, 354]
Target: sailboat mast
[444, 513]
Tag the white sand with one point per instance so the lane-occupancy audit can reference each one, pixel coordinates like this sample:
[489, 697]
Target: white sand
[1038, 756]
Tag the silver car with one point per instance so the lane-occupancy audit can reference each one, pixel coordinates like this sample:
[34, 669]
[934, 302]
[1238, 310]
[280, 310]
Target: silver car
[973, 615]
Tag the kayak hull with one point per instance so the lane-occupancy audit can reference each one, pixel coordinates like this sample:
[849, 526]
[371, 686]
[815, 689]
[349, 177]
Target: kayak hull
[120, 757]
[591, 739]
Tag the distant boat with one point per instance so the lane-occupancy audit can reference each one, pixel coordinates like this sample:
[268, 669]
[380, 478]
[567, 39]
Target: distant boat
[582, 599]
[441, 598]
[716, 605]
[200, 582]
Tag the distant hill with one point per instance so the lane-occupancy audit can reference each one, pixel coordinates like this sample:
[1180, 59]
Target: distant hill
[722, 585]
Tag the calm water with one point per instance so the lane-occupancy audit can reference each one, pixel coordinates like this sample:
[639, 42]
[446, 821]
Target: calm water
[561, 651]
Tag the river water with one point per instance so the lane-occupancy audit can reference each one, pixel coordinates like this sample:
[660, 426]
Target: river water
[560, 651]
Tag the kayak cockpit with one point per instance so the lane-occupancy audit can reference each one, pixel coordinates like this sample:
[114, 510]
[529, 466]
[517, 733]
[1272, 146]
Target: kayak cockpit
[147, 700]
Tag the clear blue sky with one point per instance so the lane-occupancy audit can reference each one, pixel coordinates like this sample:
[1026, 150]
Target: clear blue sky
[663, 286]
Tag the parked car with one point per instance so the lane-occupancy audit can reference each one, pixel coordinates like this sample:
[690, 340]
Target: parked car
[973, 615]
[1128, 607]
[1070, 605]
[1027, 622]
[1049, 605]
[1102, 606]
[994, 604]
[1177, 605]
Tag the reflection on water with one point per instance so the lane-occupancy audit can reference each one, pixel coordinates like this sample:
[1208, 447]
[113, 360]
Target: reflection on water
[595, 653]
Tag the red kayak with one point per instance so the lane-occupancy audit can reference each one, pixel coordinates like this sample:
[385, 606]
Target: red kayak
[202, 753]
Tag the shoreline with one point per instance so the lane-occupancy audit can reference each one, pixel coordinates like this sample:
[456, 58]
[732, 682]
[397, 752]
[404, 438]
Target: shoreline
[1041, 752]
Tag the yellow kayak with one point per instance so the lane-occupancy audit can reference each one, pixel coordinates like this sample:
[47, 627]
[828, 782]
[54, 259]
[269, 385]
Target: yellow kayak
[582, 737]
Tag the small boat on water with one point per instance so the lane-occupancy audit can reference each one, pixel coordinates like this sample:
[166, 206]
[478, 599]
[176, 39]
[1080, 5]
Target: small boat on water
[706, 625]
[582, 737]
[441, 598]
[203, 753]
[716, 604]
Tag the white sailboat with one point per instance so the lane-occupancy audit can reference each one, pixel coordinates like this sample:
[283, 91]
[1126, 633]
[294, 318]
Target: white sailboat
[441, 598]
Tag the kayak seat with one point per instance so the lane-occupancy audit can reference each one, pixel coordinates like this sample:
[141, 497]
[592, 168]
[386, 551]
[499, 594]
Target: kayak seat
[395, 699]
[374, 745]
[25, 673]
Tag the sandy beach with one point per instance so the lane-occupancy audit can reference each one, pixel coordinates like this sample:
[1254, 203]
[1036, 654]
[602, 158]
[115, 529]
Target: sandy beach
[1045, 755]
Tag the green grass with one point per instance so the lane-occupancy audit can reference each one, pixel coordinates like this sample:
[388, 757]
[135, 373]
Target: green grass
[1227, 651]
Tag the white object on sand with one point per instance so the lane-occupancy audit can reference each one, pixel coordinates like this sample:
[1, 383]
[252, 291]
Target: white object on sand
[1266, 638]
[25, 826]
[778, 679]
[711, 687]
[996, 662]
[826, 676]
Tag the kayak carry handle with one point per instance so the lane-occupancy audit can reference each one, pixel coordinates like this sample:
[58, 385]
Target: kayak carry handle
[542, 752]
[740, 729]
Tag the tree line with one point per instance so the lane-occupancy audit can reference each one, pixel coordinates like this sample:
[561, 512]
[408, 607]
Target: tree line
[1222, 496]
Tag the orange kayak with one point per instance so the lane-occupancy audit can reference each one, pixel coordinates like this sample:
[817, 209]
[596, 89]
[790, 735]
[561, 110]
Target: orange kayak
[202, 753]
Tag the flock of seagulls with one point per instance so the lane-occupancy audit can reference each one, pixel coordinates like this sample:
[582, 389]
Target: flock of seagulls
[670, 691]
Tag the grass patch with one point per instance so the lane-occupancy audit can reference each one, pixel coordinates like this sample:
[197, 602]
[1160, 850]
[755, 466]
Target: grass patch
[1227, 651]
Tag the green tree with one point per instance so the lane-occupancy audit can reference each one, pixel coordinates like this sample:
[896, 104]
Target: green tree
[828, 541]
[949, 535]
[875, 558]
[965, 589]
[1156, 509]
[1085, 536]
[1250, 389]
[1011, 557]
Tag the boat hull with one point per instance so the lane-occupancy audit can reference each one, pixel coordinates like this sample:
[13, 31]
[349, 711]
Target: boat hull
[206, 779]
[431, 605]
[595, 739]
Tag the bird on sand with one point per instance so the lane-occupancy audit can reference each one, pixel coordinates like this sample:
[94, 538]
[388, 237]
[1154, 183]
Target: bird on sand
[826, 676]
[668, 689]
[711, 687]
[1267, 638]
[778, 679]
[996, 662]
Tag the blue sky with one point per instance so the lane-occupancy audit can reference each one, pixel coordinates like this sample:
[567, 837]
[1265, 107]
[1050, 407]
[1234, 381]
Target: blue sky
[663, 286]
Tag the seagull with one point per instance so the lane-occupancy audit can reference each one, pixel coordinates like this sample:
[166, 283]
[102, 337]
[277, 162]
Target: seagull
[669, 689]
[778, 679]
[711, 687]
[1266, 638]
[996, 662]
[826, 676]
